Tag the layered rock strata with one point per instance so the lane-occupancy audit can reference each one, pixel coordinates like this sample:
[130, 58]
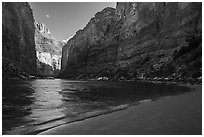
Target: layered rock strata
[136, 41]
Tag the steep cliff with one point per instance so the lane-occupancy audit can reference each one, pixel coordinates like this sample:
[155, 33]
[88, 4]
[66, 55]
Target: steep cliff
[48, 51]
[82, 50]
[18, 45]
[138, 40]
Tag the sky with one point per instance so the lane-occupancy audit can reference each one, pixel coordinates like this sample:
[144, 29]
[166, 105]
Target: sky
[64, 19]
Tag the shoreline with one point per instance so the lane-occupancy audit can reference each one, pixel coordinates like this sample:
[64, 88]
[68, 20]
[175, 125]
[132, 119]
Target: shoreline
[109, 123]
[173, 81]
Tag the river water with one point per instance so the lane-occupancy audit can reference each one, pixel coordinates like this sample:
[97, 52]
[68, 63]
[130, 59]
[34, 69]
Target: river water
[32, 106]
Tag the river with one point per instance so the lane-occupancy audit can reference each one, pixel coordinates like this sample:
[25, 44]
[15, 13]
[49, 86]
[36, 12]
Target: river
[32, 106]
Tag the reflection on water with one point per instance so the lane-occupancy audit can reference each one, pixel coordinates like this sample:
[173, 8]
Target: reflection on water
[34, 105]
[46, 96]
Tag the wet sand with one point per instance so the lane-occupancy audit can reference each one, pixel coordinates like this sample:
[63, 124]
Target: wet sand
[174, 115]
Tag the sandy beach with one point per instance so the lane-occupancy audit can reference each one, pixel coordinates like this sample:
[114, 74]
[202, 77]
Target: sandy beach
[174, 115]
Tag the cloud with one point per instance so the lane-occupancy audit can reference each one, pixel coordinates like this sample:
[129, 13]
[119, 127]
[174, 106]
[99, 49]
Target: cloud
[48, 16]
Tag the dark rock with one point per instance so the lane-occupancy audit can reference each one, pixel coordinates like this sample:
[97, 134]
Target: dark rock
[138, 40]
[12, 70]
[18, 45]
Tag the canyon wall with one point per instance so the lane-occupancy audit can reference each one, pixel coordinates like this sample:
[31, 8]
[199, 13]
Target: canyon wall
[48, 51]
[18, 45]
[138, 40]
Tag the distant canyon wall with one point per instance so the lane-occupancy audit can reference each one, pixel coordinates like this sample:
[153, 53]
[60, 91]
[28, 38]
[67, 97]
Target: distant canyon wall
[28, 47]
[138, 40]
[18, 44]
[48, 51]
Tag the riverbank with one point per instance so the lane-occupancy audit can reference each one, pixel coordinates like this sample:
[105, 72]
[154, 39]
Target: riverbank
[164, 80]
[180, 114]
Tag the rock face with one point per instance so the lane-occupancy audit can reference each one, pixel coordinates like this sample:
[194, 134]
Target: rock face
[138, 40]
[48, 51]
[18, 45]
[81, 51]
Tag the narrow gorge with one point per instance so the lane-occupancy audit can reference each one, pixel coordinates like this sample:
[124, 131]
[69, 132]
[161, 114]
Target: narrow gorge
[102, 68]
[29, 49]
[134, 41]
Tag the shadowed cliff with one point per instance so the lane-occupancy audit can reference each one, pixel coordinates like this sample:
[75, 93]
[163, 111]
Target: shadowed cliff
[138, 41]
[18, 45]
